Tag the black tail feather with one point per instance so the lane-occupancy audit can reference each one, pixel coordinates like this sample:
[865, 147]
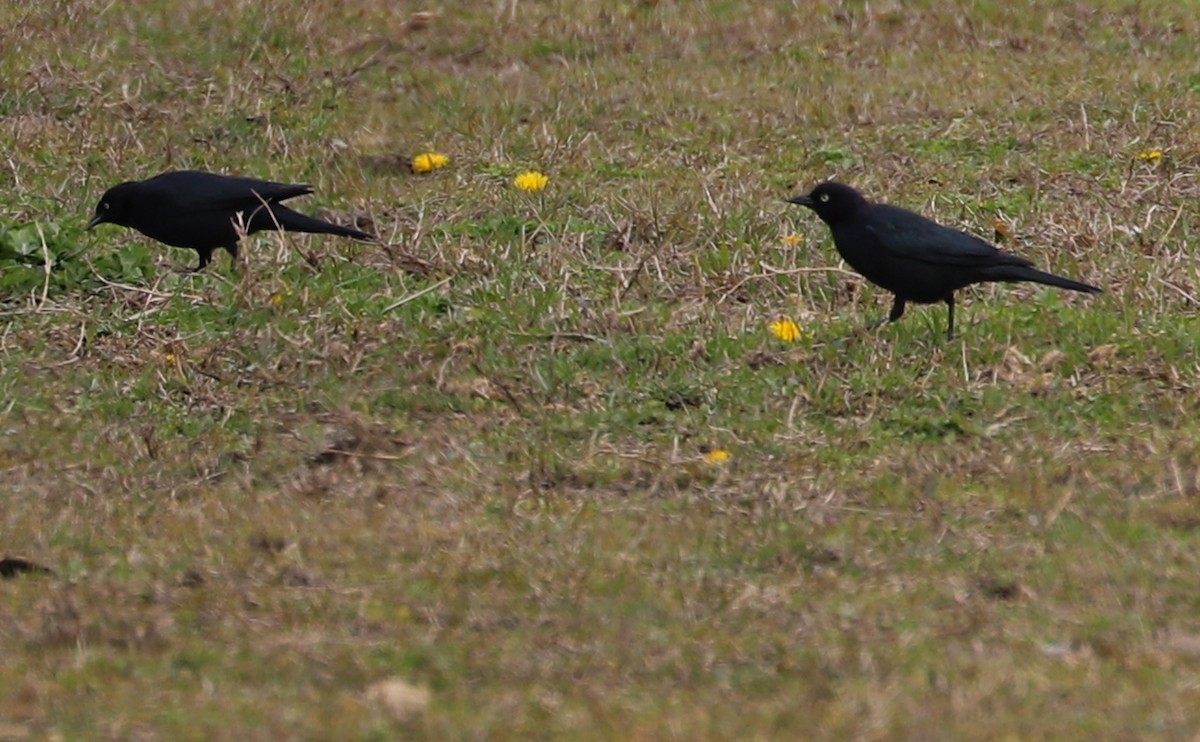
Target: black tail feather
[1018, 273]
[294, 221]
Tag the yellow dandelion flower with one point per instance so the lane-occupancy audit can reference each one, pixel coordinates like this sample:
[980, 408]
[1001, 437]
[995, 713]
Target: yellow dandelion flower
[1151, 155]
[717, 456]
[793, 240]
[786, 330]
[169, 357]
[429, 161]
[531, 181]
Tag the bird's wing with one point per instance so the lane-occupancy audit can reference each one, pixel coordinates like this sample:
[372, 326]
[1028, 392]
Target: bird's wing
[199, 191]
[911, 236]
[269, 190]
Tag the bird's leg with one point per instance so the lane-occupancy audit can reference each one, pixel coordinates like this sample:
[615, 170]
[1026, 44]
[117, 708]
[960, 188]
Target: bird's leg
[950, 320]
[896, 313]
[205, 258]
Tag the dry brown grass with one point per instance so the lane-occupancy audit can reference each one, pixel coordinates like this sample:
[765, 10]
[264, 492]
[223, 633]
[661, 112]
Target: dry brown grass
[284, 504]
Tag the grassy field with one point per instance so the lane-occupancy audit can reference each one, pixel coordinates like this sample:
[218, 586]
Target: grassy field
[534, 467]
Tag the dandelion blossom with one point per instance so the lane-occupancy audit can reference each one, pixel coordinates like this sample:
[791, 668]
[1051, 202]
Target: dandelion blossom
[793, 240]
[428, 162]
[786, 330]
[717, 456]
[531, 181]
[1151, 155]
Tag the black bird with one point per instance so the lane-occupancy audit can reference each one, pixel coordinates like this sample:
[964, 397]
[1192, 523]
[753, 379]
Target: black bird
[915, 258]
[199, 211]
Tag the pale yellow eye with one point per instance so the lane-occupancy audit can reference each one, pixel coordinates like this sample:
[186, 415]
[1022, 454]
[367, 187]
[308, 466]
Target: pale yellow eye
[824, 198]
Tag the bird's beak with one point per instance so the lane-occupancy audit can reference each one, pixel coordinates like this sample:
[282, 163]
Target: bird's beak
[97, 219]
[803, 199]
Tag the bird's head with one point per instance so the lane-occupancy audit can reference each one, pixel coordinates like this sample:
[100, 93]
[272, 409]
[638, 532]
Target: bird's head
[114, 206]
[833, 202]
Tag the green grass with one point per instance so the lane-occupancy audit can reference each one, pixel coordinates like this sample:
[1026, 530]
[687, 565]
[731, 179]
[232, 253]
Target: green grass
[267, 494]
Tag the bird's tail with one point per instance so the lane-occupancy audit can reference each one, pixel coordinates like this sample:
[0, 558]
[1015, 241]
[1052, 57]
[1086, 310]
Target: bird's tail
[294, 221]
[1022, 273]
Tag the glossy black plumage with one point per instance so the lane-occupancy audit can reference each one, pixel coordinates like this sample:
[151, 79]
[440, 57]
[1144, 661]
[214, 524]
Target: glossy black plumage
[916, 259]
[199, 211]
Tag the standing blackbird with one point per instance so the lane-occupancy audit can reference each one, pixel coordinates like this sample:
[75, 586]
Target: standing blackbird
[916, 259]
[204, 211]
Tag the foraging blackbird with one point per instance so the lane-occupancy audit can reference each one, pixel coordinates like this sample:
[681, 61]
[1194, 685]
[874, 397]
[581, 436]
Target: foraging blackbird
[916, 259]
[197, 210]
